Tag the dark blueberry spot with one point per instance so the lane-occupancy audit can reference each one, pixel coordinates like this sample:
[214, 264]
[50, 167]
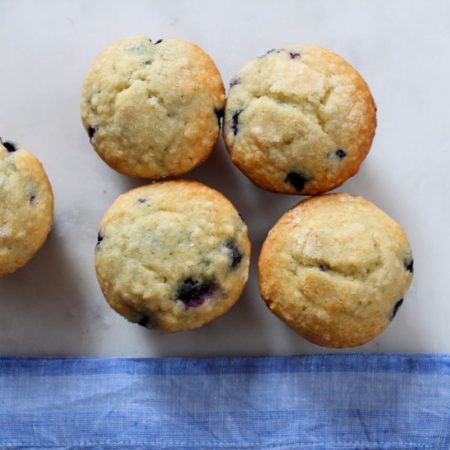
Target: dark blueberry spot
[99, 239]
[147, 62]
[235, 81]
[10, 147]
[194, 292]
[409, 265]
[158, 41]
[235, 254]
[235, 122]
[296, 180]
[324, 267]
[91, 132]
[294, 55]
[341, 153]
[32, 199]
[396, 308]
[272, 50]
[142, 200]
[219, 115]
[144, 321]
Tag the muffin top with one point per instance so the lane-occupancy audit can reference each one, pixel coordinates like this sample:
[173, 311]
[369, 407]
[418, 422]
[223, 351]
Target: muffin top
[26, 205]
[299, 120]
[335, 268]
[152, 109]
[172, 255]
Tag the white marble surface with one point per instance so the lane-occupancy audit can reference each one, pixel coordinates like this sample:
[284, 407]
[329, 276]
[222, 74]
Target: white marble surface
[54, 307]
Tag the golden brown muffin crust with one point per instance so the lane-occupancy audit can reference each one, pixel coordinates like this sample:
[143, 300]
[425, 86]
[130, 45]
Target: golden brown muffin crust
[299, 120]
[334, 268]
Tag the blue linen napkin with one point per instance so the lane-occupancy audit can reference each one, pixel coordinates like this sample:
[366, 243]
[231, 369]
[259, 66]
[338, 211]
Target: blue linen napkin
[335, 401]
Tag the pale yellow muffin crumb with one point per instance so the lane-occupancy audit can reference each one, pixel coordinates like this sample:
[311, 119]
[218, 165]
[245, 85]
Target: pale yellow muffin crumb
[26, 206]
[172, 255]
[152, 109]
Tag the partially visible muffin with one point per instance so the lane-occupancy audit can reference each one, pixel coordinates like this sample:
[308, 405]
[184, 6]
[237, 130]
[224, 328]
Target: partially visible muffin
[335, 268]
[26, 206]
[152, 109]
[299, 120]
[172, 255]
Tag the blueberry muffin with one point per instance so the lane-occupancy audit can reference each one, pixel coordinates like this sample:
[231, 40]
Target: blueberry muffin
[335, 268]
[299, 120]
[152, 109]
[26, 205]
[172, 255]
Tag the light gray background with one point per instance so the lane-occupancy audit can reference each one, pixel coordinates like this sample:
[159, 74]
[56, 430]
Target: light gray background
[54, 307]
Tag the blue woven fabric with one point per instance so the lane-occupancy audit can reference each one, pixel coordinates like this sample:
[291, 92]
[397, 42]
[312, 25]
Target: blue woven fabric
[340, 401]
